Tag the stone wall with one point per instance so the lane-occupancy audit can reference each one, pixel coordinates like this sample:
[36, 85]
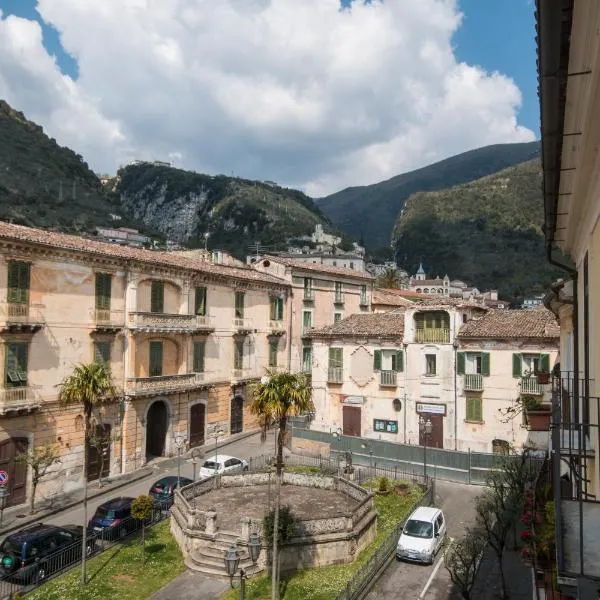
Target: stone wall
[313, 447]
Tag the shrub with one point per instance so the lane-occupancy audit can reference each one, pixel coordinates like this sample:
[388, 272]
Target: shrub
[286, 525]
[384, 484]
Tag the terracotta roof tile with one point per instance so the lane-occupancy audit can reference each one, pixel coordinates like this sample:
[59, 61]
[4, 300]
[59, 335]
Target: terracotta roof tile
[503, 323]
[318, 268]
[390, 325]
[389, 297]
[8, 231]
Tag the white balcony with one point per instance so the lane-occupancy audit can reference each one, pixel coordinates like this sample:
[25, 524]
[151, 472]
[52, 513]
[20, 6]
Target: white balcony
[473, 382]
[245, 373]
[163, 322]
[432, 336]
[309, 294]
[164, 384]
[335, 375]
[17, 399]
[278, 326]
[530, 385]
[339, 298]
[21, 317]
[242, 324]
[388, 378]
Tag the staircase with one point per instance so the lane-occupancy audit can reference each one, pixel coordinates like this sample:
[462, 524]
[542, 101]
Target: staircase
[208, 558]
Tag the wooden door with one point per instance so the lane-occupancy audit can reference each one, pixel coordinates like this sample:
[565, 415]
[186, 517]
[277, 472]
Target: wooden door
[99, 453]
[16, 469]
[156, 429]
[351, 417]
[236, 424]
[197, 423]
[436, 437]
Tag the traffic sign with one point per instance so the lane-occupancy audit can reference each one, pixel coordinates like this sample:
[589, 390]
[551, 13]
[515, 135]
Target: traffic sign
[3, 477]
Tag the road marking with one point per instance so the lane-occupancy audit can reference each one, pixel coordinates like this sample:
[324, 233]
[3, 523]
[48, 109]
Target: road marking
[435, 570]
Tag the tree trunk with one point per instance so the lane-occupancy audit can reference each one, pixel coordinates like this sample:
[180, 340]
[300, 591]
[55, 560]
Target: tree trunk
[87, 409]
[34, 485]
[280, 440]
[502, 577]
[143, 542]
[274, 587]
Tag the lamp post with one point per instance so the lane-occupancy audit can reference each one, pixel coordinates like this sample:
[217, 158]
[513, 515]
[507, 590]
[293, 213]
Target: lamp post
[180, 441]
[3, 500]
[336, 434]
[368, 448]
[425, 428]
[232, 561]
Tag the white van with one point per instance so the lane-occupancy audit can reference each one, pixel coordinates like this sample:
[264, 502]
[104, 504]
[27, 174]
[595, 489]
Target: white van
[422, 535]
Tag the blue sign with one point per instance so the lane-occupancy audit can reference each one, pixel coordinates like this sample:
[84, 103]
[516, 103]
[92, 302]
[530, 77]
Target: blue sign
[3, 477]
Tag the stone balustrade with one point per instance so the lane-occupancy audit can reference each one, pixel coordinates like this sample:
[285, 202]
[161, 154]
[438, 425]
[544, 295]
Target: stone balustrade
[139, 386]
[145, 321]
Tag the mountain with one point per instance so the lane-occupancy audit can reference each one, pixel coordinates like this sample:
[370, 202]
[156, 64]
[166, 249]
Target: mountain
[183, 205]
[368, 212]
[487, 232]
[43, 184]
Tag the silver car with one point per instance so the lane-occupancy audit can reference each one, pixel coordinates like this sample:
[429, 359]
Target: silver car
[222, 464]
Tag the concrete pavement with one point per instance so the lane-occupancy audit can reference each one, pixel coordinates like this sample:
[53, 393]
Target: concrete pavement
[192, 586]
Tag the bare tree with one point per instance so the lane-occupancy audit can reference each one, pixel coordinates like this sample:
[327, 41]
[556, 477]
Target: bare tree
[40, 460]
[462, 559]
[100, 439]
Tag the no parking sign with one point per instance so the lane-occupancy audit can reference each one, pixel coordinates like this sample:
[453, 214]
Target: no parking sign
[3, 477]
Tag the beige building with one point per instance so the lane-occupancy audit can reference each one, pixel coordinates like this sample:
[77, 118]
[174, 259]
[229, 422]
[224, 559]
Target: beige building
[568, 54]
[183, 338]
[320, 296]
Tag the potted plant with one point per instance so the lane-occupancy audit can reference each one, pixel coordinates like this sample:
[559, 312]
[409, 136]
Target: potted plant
[543, 377]
[536, 413]
[402, 489]
[384, 486]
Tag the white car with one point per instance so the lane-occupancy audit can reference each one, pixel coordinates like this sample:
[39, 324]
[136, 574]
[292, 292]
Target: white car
[222, 464]
[422, 535]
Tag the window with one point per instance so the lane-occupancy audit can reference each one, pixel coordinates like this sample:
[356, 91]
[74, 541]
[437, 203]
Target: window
[276, 310]
[473, 363]
[307, 359]
[102, 352]
[500, 447]
[363, 294]
[388, 360]
[199, 352]
[306, 319]
[16, 364]
[157, 297]
[103, 291]
[200, 304]
[474, 409]
[464, 318]
[352, 265]
[336, 358]
[308, 288]
[335, 263]
[339, 296]
[18, 282]
[385, 426]
[238, 354]
[430, 364]
[156, 359]
[528, 364]
[273, 353]
[239, 305]
[337, 316]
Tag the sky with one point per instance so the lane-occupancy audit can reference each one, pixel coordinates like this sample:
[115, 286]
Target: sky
[317, 94]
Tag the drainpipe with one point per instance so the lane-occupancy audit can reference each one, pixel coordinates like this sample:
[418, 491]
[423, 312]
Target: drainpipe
[125, 365]
[406, 379]
[455, 347]
[291, 320]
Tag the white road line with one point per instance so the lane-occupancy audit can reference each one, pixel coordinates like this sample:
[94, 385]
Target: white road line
[435, 570]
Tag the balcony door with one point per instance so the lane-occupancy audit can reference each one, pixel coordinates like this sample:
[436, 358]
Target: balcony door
[436, 437]
[99, 453]
[236, 424]
[351, 416]
[156, 429]
[197, 424]
[16, 469]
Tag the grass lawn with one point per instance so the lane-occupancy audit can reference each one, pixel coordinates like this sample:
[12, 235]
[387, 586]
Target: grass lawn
[324, 583]
[119, 573]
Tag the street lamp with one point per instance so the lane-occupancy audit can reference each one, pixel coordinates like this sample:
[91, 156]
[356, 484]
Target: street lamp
[336, 434]
[425, 428]
[3, 500]
[180, 441]
[232, 561]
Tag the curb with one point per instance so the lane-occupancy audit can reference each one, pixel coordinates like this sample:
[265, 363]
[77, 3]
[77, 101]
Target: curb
[137, 476]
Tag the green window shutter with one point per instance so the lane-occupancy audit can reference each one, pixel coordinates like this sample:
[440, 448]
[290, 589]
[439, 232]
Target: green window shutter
[399, 361]
[460, 363]
[485, 364]
[280, 309]
[474, 412]
[199, 349]
[156, 359]
[18, 282]
[200, 304]
[273, 354]
[273, 309]
[336, 358]
[516, 365]
[238, 355]
[103, 290]
[16, 364]
[545, 363]
[157, 297]
[102, 352]
[377, 360]
[239, 305]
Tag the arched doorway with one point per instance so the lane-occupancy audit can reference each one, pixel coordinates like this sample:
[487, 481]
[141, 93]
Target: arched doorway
[236, 424]
[156, 429]
[197, 422]
[16, 469]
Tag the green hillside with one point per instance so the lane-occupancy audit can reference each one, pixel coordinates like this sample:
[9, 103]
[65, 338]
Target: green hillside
[368, 212]
[487, 232]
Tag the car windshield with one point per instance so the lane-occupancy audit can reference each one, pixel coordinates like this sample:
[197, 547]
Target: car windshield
[211, 464]
[104, 513]
[10, 547]
[420, 529]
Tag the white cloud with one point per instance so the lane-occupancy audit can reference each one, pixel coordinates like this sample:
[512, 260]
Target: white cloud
[303, 93]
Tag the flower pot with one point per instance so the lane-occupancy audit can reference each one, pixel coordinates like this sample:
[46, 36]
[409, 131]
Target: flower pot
[538, 420]
[543, 378]
[402, 490]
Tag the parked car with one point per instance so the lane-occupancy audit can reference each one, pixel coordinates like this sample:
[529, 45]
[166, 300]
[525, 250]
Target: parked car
[422, 535]
[113, 519]
[35, 552]
[162, 490]
[222, 464]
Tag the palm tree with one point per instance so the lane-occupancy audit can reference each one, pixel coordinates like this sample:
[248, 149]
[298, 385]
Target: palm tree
[390, 278]
[89, 385]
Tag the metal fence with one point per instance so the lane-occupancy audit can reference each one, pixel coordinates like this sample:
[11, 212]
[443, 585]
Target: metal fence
[48, 564]
[265, 462]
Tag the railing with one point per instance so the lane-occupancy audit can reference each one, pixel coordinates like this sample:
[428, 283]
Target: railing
[335, 374]
[388, 378]
[245, 373]
[435, 336]
[18, 396]
[108, 318]
[242, 323]
[307, 328]
[339, 298]
[530, 385]
[364, 301]
[13, 312]
[164, 383]
[168, 322]
[309, 294]
[277, 325]
[473, 382]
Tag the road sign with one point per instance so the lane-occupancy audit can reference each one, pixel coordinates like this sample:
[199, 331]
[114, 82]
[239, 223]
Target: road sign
[3, 477]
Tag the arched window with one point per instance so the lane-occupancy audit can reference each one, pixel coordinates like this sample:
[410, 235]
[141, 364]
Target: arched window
[500, 447]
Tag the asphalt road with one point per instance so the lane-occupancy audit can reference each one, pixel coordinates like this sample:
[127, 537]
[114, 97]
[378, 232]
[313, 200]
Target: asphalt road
[418, 582]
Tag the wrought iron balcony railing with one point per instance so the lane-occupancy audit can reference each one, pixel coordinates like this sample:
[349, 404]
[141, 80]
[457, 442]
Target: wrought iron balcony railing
[335, 375]
[21, 316]
[19, 398]
[530, 385]
[309, 294]
[388, 378]
[473, 382]
[432, 336]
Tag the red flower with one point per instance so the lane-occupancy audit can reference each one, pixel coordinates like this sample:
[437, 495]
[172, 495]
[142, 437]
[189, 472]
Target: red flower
[526, 535]
[526, 517]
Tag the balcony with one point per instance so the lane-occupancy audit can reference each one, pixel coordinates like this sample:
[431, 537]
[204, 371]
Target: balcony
[106, 319]
[17, 318]
[473, 382]
[242, 326]
[364, 301]
[309, 294]
[338, 298]
[432, 336]
[245, 373]
[388, 378]
[165, 384]
[18, 400]
[277, 327]
[169, 323]
[530, 385]
[335, 375]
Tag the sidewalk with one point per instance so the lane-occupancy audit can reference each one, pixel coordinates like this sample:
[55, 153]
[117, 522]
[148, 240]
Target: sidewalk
[17, 517]
[191, 585]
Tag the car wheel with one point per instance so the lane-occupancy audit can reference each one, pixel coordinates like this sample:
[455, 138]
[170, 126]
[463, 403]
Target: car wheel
[40, 574]
[246, 468]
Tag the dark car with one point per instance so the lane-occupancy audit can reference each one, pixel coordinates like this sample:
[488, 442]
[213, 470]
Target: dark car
[113, 519]
[31, 554]
[163, 490]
